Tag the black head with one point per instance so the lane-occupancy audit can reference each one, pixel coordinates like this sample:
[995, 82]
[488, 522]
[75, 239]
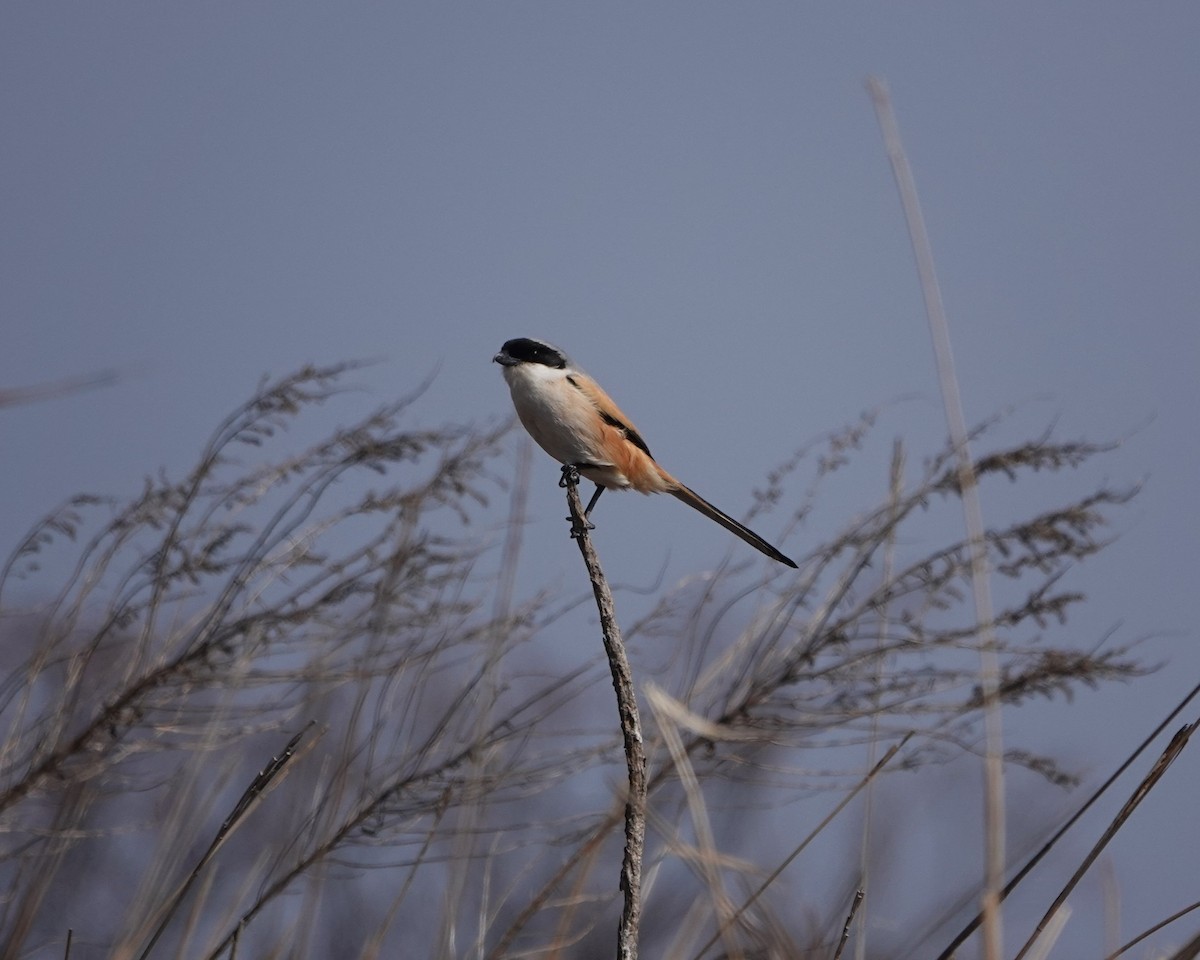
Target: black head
[525, 350]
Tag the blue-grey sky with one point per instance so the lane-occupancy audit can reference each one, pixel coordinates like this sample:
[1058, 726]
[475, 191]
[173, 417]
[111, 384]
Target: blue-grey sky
[691, 198]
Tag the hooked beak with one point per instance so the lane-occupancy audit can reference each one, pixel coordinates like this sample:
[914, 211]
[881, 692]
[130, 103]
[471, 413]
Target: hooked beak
[504, 360]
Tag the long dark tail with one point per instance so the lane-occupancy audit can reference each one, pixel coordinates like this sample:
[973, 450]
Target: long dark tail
[694, 500]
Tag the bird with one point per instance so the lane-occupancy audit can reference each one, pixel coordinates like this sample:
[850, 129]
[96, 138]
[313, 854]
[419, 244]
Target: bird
[578, 424]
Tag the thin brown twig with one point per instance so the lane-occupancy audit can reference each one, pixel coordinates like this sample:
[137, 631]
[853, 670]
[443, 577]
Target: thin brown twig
[631, 727]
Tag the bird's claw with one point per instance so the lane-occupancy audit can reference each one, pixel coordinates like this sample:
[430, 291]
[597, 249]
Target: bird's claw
[570, 476]
[576, 531]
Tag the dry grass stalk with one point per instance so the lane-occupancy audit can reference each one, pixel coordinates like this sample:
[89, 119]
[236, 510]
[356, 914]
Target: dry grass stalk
[1189, 951]
[854, 905]
[895, 489]
[14, 396]
[1049, 845]
[668, 713]
[1148, 783]
[800, 848]
[258, 788]
[989, 661]
[1167, 921]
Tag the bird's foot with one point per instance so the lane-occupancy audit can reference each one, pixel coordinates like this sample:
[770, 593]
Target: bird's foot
[577, 531]
[570, 476]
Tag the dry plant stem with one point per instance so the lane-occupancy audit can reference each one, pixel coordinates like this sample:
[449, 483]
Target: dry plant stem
[470, 816]
[1173, 749]
[1189, 951]
[1055, 925]
[971, 927]
[582, 854]
[858, 899]
[12, 396]
[576, 897]
[631, 726]
[895, 495]
[842, 804]
[256, 791]
[1178, 914]
[989, 667]
[708, 855]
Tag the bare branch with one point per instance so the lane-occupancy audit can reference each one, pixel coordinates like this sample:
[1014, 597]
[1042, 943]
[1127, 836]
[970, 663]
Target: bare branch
[631, 726]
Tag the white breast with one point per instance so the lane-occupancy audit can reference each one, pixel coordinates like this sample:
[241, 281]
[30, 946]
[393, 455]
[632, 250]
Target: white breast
[561, 420]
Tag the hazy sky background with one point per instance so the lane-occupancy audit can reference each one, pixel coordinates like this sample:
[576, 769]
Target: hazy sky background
[692, 199]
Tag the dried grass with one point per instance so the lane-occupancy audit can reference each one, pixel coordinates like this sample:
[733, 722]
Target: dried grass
[460, 792]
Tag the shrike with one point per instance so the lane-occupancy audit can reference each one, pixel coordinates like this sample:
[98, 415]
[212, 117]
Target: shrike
[578, 424]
